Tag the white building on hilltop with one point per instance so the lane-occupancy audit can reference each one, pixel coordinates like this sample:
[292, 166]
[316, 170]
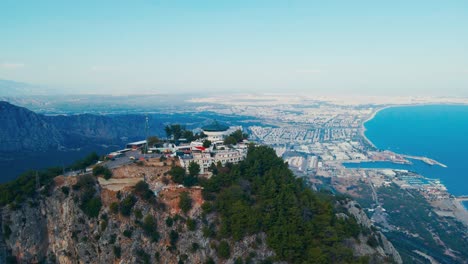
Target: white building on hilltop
[216, 131]
[206, 157]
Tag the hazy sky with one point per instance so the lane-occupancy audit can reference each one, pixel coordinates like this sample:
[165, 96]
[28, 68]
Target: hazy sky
[373, 47]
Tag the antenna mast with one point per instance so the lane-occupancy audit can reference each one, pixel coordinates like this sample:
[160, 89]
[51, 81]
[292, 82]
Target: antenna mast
[146, 132]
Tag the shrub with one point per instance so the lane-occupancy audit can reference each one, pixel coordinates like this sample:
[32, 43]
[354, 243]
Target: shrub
[224, 250]
[90, 204]
[195, 247]
[65, 190]
[150, 227]
[117, 251]
[127, 204]
[191, 224]
[143, 256]
[128, 233]
[239, 261]
[114, 207]
[142, 189]
[83, 182]
[91, 207]
[103, 225]
[169, 221]
[178, 174]
[173, 237]
[194, 169]
[85, 162]
[185, 202]
[138, 214]
[210, 261]
[206, 143]
[99, 170]
[6, 231]
[207, 207]
[208, 231]
[112, 239]
[372, 241]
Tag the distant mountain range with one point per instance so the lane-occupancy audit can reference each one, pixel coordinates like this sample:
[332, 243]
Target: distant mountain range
[13, 88]
[24, 130]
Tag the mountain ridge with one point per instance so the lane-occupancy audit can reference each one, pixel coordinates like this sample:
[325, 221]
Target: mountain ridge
[25, 130]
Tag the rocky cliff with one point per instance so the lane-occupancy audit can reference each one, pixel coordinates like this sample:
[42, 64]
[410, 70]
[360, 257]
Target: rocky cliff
[371, 236]
[86, 219]
[55, 229]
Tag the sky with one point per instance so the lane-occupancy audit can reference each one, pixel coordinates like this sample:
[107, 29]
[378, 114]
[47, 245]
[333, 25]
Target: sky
[314, 47]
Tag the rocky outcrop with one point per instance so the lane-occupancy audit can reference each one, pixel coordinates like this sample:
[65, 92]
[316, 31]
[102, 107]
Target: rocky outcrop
[57, 231]
[373, 241]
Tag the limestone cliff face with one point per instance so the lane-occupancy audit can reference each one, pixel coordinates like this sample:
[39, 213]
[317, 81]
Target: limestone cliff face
[56, 230]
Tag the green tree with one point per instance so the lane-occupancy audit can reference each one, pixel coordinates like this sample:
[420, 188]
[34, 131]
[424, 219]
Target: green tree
[150, 227]
[230, 140]
[206, 143]
[223, 250]
[90, 159]
[127, 204]
[173, 237]
[117, 251]
[237, 135]
[194, 169]
[185, 202]
[178, 174]
[99, 170]
[152, 140]
[191, 224]
[142, 189]
[91, 207]
[90, 203]
[128, 233]
[168, 131]
[261, 194]
[174, 130]
[114, 207]
[187, 134]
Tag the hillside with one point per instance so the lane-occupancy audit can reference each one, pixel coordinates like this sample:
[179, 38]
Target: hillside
[24, 130]
[253, 212]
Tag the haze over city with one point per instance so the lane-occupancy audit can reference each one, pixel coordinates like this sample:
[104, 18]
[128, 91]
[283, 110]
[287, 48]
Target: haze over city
[333, 47]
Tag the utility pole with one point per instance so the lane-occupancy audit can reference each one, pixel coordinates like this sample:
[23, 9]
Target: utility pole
[146, 133]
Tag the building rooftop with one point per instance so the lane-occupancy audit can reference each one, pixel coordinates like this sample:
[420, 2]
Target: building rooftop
[215, 126]
[137, 143]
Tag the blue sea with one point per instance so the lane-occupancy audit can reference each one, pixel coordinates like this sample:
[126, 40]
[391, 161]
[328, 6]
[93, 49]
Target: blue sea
[439, 132]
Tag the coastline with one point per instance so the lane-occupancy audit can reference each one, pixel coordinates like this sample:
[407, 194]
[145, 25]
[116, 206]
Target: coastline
[362, 130]
[459, 208]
